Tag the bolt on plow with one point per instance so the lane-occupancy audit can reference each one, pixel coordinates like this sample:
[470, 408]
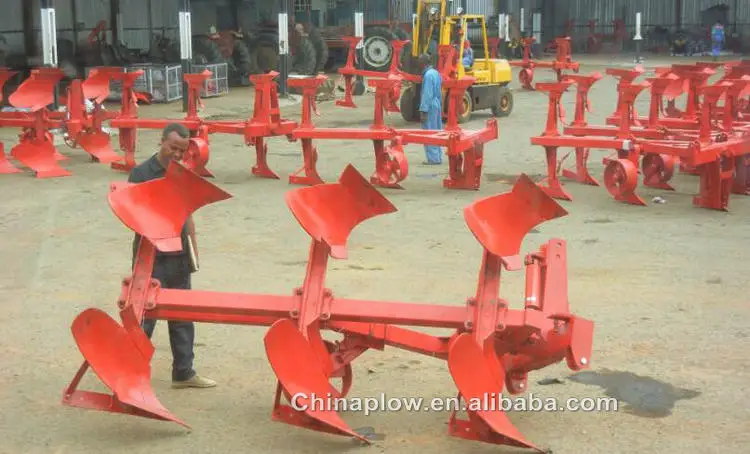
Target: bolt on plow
[491, 347]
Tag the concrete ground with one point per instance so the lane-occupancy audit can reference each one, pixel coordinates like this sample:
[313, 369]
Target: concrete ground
[665, 284]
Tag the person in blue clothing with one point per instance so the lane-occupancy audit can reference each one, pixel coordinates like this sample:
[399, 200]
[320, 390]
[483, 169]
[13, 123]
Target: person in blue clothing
[717, 39]
[431, 106]
[468, 59]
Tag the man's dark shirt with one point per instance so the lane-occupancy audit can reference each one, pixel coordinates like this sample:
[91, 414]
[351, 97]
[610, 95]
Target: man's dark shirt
[152, 169]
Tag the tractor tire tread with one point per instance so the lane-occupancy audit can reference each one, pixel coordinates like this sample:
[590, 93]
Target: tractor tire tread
[304, 61]
[321, 49]
[386, 33]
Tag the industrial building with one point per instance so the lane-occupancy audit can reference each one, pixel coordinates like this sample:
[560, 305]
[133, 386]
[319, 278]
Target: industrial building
[244, 33]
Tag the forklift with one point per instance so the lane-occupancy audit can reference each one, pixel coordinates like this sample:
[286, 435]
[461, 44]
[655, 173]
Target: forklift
[433, 27]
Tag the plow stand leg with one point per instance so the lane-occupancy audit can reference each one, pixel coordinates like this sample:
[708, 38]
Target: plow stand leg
[309, 170]
[554, 187]
[348, 100]
[261, 169]
[465, 169]
[715, 185]
[128, 138]
[581, 174]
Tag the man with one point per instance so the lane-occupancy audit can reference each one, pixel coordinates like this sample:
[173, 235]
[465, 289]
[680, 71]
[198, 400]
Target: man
[468, 60]
[173, 269]
[431, 106]
[717, 39]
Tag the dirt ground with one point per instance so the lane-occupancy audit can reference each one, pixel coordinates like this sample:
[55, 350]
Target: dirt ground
[665, 284]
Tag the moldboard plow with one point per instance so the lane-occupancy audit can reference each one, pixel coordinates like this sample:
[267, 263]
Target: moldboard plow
[36, 149]
[491, 347]
[707, 138]
[563, 61]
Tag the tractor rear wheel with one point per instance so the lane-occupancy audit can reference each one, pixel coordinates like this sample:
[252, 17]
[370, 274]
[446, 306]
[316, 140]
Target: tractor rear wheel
[304, 57]
[378, 50]
[401, 34]
[505, 103]
[409, 104]
[267, 57]
[206, 51]
[243, 61]
[321, 50]
[265, 45]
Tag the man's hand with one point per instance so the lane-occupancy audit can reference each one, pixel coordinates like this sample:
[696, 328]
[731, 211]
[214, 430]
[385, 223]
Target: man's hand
[423, 116]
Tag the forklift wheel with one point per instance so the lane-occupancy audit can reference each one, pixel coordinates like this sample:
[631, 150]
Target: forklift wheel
[505, 103]
[466, 107]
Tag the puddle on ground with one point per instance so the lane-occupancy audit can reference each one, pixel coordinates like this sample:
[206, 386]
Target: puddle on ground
[644, 396]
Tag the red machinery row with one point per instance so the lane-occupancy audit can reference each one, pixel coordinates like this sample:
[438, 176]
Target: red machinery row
[563, 59]
[36, 148]
[490, 346]
[710, 137]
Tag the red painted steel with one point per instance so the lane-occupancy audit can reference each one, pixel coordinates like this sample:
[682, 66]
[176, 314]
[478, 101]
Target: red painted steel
[492, 346]
[707, 138]
[350, 72]
[36, 149]
[464, 148]
[84, 128]
[563, 61]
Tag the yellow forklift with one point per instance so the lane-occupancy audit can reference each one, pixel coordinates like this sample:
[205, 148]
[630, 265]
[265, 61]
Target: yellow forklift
[433, 27]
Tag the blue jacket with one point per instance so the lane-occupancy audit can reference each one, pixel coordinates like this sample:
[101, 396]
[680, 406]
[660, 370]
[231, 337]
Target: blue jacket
[468, 57]
[432, 91]
[717, 33]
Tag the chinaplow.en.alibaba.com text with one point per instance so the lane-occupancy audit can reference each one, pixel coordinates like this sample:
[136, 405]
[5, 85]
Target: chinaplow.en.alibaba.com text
[487, 402]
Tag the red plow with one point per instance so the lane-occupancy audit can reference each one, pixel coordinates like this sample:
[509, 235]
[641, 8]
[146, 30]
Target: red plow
[490, 347]
[708, 137]
[36, 149]
[563, 61]
[464, 148]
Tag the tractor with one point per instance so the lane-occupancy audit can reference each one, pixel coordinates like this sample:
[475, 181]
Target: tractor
[434, 27]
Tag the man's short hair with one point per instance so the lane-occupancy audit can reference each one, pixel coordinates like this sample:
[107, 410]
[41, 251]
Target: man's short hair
[425, 59]
[180, 129]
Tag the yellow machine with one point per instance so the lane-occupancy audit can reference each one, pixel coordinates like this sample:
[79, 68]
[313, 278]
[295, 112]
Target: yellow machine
[433, 27]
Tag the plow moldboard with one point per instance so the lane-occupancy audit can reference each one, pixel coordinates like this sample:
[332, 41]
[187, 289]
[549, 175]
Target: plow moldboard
[293, 361]
[117, 361]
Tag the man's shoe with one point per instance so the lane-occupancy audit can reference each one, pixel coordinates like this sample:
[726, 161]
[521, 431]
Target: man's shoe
[195, 382]
[430, 163]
